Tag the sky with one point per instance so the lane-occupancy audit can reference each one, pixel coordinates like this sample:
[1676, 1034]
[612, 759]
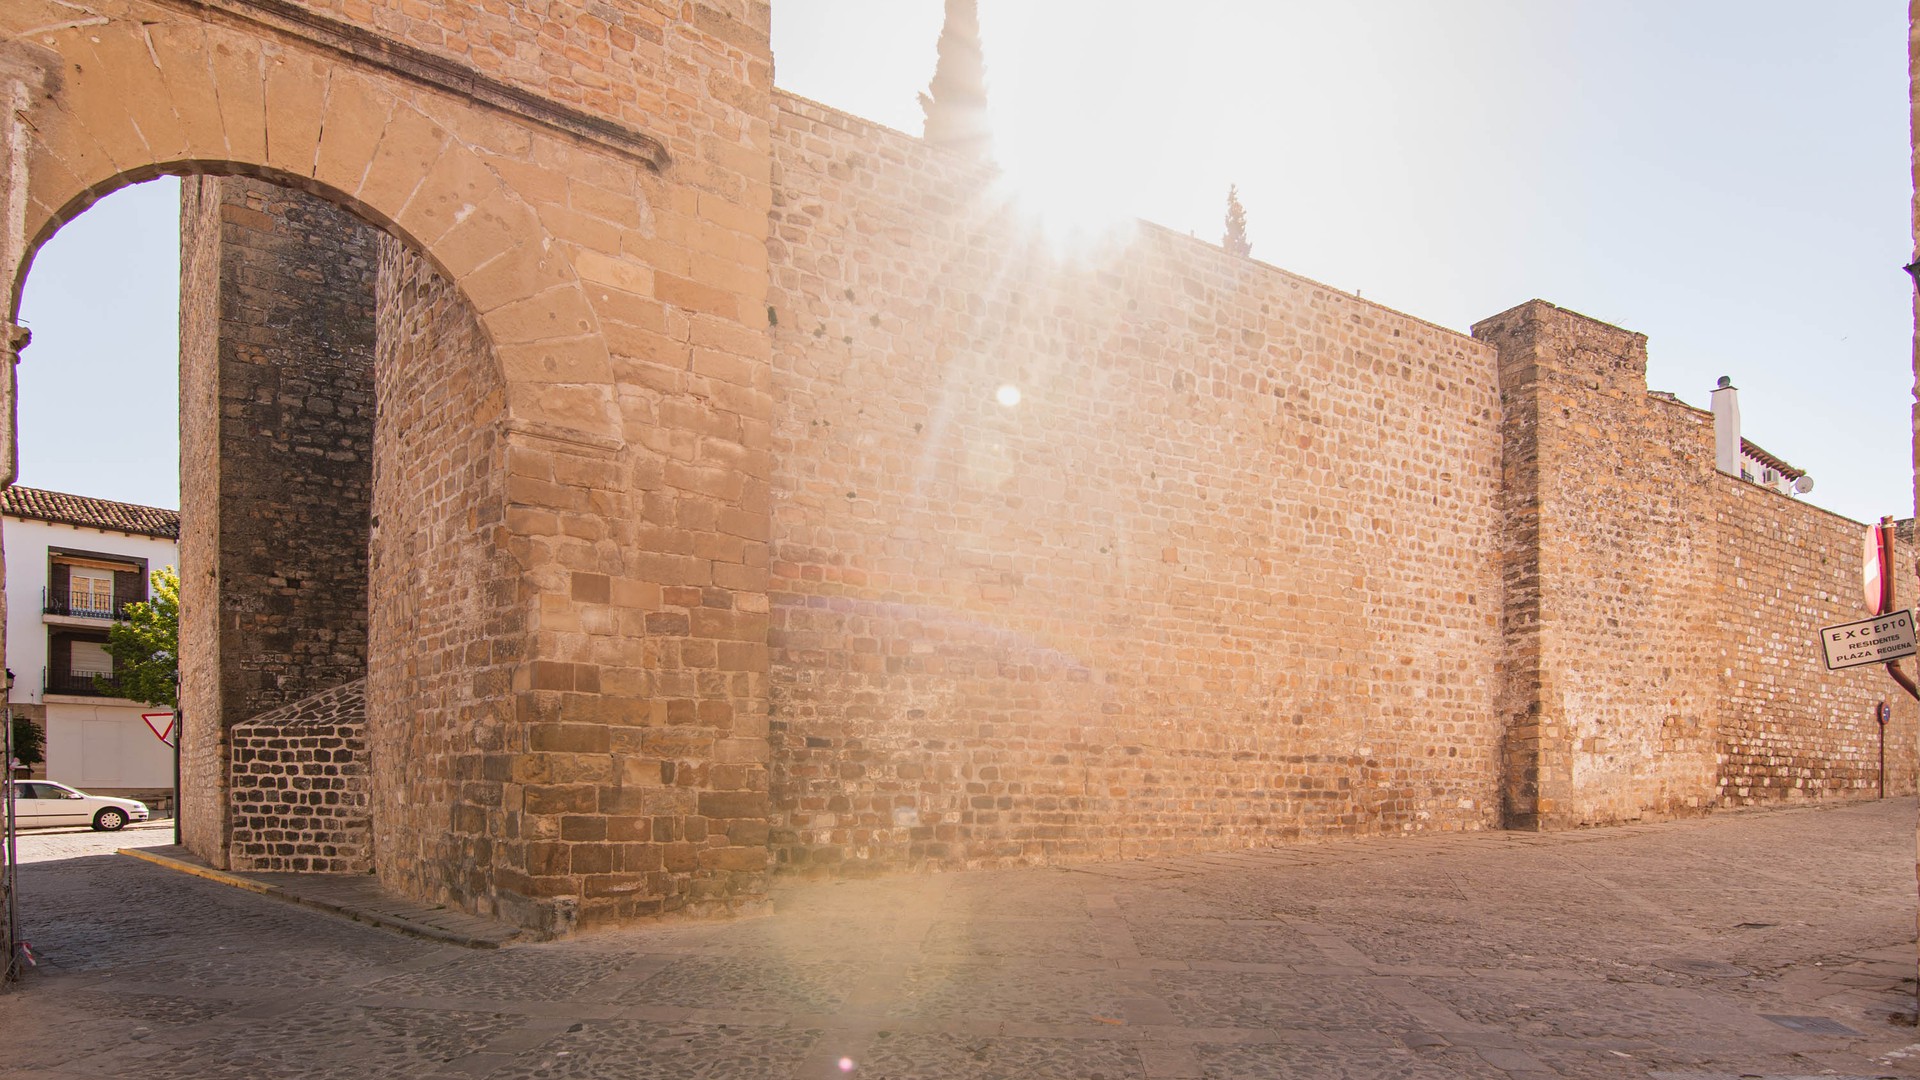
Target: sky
[1728, 177]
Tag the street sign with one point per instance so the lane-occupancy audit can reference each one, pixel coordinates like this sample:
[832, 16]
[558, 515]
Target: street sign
[1870, 641]
[1876, 570]
[160, 731]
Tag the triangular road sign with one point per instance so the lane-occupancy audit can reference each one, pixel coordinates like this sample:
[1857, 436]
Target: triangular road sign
[160, 731]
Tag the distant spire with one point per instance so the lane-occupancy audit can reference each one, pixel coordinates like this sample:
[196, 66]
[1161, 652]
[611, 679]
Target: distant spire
[1236, 241]
[956, 105]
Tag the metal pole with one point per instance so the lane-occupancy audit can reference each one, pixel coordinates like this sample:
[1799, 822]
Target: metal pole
[1886, 566]
[1899, 676]
[9, 967]
[1880, 714]
[1888, 599]
[180, 730]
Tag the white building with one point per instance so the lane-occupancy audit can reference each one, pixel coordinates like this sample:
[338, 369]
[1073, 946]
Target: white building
[72, 564]
[1741, 457]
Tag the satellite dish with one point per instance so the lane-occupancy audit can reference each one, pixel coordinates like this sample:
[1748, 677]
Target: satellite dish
[1803, 485]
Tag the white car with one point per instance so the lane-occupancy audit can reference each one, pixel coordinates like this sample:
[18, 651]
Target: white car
[43, 802]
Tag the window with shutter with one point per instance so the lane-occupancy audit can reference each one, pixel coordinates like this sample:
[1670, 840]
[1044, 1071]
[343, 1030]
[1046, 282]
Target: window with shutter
[90, 591]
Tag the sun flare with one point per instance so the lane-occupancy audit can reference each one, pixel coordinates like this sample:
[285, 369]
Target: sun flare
[1073, 212]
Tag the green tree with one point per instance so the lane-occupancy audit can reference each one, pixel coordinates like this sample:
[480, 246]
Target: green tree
[956, 102]
[29, 742]
[1236, 241]
[146, 646]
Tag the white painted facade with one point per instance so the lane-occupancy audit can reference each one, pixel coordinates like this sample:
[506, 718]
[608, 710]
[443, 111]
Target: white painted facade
[1737, 456]
[94, 743]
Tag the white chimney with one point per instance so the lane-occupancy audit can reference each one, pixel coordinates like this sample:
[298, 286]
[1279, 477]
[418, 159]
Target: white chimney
[1726, 427]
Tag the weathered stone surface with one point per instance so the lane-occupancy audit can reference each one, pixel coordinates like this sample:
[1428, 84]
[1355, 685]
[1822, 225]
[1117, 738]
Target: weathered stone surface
[1364, 959]
[682, 531]
[276, 462]
[1223, 575]
[1661, 621]
[299, 786]
[445, 628]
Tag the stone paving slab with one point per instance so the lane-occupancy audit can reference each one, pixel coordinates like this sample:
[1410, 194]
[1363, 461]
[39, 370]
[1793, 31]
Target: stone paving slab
[1752, 945]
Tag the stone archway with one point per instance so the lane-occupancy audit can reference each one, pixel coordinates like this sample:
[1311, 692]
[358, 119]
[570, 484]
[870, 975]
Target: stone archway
[617, 279]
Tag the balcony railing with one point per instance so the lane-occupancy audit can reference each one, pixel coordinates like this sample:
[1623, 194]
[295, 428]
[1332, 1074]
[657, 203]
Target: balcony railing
[81, 683]
[86, 603]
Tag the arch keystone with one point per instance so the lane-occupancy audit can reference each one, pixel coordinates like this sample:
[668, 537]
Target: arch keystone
[240, 86]
[296, 95]
[182, 54]
[350, 129]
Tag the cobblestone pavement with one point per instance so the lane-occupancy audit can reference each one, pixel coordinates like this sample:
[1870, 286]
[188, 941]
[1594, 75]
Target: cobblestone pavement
[1775, 944]
[47, 845]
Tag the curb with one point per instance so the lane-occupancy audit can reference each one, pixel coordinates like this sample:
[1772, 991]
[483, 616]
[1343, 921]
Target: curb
[385, 920]
[206, 872]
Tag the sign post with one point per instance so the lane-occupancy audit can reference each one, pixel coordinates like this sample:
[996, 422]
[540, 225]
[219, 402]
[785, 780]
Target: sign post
[1883, 712]
[1876, 581]
[169, 733]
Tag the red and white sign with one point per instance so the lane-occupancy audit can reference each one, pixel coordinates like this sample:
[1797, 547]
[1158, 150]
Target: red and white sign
[1874, 571]
[163, 732]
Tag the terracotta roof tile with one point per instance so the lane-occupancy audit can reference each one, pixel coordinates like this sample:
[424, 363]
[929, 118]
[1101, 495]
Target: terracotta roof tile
[1770, 461]
[63, 509]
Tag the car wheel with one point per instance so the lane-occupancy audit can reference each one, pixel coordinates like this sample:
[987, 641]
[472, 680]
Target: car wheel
[109, 820]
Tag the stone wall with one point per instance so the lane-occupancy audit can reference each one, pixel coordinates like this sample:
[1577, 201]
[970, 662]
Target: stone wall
[1249, 559]
[299, 786]
[1790, 730]
[701, 531]
[1612, 712]
[627, 777]
[1223, 576]
[445, 631]
[702, 67]
[1662, 650]
[203, 761]
[1913, 135]
[276, 469]
[595, 184]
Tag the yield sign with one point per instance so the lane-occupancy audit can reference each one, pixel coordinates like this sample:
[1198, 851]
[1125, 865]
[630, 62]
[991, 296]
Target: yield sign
[160, 731]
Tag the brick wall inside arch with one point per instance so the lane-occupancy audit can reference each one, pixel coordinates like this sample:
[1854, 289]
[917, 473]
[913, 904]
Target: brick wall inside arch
[446, 621]
[276, 436]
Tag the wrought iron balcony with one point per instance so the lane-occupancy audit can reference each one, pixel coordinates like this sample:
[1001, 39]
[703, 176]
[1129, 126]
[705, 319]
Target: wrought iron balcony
[81, 683]
[86, 603]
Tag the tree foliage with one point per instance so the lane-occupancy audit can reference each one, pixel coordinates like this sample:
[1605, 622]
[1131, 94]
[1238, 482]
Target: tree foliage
[29, 742]
[955, 103]
[146, 646]
[1236, 241]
